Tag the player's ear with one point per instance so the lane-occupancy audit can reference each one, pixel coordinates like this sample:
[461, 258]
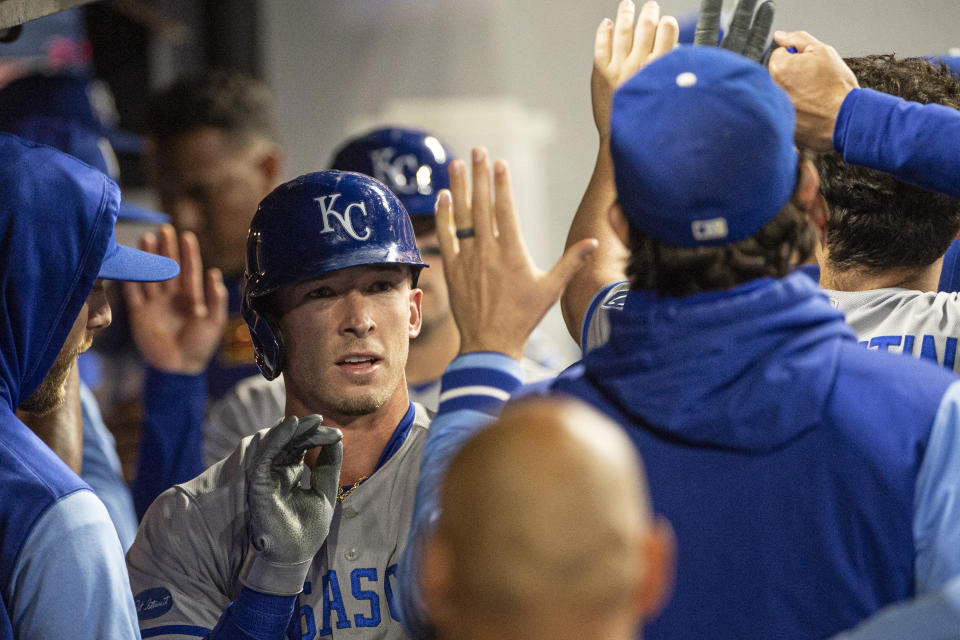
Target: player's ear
[619, 222]
[658, 549]
[271, 165]
[808, 185]
[416, 315]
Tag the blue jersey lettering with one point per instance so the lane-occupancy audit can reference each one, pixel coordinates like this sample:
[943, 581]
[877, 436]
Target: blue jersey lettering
[333, 601]
[373, 620]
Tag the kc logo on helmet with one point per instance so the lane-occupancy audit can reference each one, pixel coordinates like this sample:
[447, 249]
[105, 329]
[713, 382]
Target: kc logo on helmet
[400, 173]
[327, 211]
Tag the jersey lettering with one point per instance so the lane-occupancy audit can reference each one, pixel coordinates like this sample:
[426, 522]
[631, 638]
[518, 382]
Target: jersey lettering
[360, 620]
[928, 347]
[333, 602]
[326, 210]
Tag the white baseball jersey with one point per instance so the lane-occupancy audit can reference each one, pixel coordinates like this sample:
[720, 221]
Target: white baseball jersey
[926, 325]
[192, 542]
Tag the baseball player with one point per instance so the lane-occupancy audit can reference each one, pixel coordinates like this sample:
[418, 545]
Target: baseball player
[58, 544]
[884, 240]
[783, 454]
[331, 301]
[412, 163]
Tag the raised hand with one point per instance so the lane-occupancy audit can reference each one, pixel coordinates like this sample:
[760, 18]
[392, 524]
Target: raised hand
[497, 293]
[748, 32]
[178, 324]
[817, 80]
[620, 50]
[289, 524]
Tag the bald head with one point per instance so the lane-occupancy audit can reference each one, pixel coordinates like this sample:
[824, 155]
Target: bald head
[545, 528]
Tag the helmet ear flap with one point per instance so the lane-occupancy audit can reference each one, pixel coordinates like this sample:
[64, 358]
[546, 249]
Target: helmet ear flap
[267, 340]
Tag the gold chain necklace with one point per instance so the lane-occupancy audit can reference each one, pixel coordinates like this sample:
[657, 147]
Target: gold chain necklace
[343, 493]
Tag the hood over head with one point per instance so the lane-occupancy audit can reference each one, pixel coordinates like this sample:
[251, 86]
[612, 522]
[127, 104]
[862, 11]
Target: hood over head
[56, 219]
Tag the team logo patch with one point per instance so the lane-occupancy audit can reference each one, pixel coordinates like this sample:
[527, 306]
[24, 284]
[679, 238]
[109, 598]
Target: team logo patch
[153, 603]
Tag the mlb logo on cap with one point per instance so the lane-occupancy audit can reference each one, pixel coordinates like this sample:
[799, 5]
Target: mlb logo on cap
[702, 146]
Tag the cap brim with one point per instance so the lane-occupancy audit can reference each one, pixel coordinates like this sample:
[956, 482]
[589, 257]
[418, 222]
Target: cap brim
[126, 263]
[130, 212]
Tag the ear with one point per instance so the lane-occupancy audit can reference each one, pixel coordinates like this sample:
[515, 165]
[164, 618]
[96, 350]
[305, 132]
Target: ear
[619, 222]
[659, 557]
[271, 165]
[808, 186]
[416, 316]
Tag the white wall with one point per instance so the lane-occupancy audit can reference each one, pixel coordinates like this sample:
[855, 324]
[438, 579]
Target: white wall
[338, 66]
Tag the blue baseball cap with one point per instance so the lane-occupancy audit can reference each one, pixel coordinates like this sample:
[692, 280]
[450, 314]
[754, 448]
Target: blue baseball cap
[702, 146]
[126, 263]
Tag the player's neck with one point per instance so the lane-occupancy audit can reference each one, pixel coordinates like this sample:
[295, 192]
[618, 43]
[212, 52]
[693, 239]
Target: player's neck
[916, 279]
[432, 351]
[364, 437]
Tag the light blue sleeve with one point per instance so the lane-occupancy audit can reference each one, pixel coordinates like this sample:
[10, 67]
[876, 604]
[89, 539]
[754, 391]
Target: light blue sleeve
[102, 471]
[935, 616]
[70, 580]
[473, 390]
[936, 516]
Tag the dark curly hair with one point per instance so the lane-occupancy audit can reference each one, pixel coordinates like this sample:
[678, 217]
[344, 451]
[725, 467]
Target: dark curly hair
[235, 103]
[680, 271]
[875, 221]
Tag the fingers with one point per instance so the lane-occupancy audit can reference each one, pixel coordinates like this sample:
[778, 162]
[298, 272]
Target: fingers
[644, 36]
[191, 273]
[167, 246]
[668, 34]
[739, 31]
[801, 40]
[215, 295]
[505, 209]
[480, 210]
[603, 44]
[325, 476]
[446, 230]
[623, 32]
[460, 190]
[759, 31]
[707, 31]
[569, 264]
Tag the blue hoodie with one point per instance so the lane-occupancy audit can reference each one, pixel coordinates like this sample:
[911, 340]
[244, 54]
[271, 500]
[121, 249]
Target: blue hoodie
[785, 456]
[61, 567]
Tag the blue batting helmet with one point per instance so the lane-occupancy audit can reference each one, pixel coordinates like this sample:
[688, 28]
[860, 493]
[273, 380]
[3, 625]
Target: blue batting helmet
[411, 162]
[315, 224]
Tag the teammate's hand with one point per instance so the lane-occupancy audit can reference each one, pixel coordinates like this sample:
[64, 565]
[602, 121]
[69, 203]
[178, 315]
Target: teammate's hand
[748, 32]
[289, 524]
[817, 80]
[497, 293]
[620, 50]
[178, 324]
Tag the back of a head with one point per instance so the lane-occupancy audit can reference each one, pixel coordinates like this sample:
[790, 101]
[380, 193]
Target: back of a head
[312, 225]
[234, 103]
[543, 518]
[705, 168]
[875, 221]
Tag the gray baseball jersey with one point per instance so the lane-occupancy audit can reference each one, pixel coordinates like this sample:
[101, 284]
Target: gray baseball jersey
[192, 541]
[256, 401]
[926, 325]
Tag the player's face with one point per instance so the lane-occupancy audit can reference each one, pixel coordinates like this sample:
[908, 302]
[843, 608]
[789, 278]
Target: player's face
[436, 302]
[346, 335]
[94, 315]
[211, 185]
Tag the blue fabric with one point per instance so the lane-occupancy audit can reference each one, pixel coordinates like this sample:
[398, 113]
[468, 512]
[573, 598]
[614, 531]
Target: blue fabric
[171, 437]
[56, 219]
[950, 272]
[255, 616]
[102, 471]
[785, 456]
[915, 143]
[935, 616]
[450, 429]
